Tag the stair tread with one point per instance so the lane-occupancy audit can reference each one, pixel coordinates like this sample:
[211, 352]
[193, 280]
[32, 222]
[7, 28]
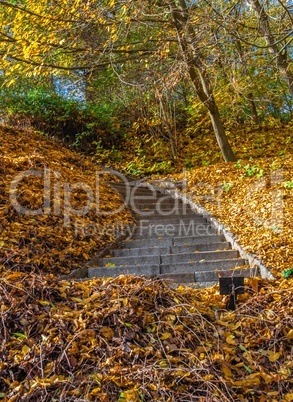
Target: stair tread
[172, 249]
[193, 251]
[197, 255]
[238, 261]
[209, 276]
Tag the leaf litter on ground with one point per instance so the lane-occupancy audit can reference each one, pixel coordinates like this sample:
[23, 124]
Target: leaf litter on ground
[137, 339]
[79, 213]
[254, 203]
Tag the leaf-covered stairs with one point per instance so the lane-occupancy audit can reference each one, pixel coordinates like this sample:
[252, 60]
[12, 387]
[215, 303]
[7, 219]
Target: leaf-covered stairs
[170, 241]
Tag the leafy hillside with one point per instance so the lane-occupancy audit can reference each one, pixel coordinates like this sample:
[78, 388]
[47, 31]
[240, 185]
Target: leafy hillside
[133, 339]
[254, 199]
[141, 154]
[79, 205]
[136, 339]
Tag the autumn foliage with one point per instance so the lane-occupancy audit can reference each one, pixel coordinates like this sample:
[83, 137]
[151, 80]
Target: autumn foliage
[56, 240]
[253, 198]
[135, 339]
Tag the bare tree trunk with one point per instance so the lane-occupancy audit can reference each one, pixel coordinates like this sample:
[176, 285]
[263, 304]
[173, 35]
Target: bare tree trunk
[279, 55]
[198, 75]
[203, 90]
[168, 127]
[253, 109]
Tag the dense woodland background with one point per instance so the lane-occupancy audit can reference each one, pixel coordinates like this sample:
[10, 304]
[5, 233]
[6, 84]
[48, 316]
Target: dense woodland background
[147, 77]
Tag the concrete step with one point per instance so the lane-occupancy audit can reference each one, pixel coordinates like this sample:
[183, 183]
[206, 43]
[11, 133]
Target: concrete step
[158, 202]
[169, 242]
[145, 226]
[161, 231]
[170, 250]
[156, 199]
[192, 240]
[160, 199]
[167, 259]
[155, 270]
[201, 247]
[161, 205]
[137, 191]
[136, 252]
[158, 214]
[212, 265]
[129, 261]
[131, 184]
[201, 257]
[209, 276]
[159, 211]
[146, 197]
[173, 219]
[148, 270]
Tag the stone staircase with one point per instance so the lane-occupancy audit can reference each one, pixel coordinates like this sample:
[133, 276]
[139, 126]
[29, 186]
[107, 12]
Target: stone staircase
[170, 241]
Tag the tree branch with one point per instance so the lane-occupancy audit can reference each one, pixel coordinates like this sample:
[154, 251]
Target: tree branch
[6, 4]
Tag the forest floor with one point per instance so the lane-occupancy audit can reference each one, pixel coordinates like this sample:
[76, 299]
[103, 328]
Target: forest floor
[137, 339]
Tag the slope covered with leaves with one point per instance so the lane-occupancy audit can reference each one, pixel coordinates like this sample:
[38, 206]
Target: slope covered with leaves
[135, 339]
[142, 153]
[75, 205]
[253, 197]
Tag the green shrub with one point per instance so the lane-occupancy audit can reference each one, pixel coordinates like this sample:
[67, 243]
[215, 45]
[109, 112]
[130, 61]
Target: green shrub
[81, 125]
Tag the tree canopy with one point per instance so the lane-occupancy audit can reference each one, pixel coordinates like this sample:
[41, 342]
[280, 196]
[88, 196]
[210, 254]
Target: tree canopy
[231, 60]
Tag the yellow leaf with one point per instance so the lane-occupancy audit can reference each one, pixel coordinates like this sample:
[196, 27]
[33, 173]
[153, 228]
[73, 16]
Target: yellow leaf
[44, 302]
[227, 372]
[11, 82]
[230, 340]
[289, 335]
[14, 276]
[217, 356]
[235, 326]
[273, 356]
[266, 377]
[250, 381]
[95, 391]
[165, 335]
[288, 397]
[107, 332]
[208, 377]
[25, 349]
